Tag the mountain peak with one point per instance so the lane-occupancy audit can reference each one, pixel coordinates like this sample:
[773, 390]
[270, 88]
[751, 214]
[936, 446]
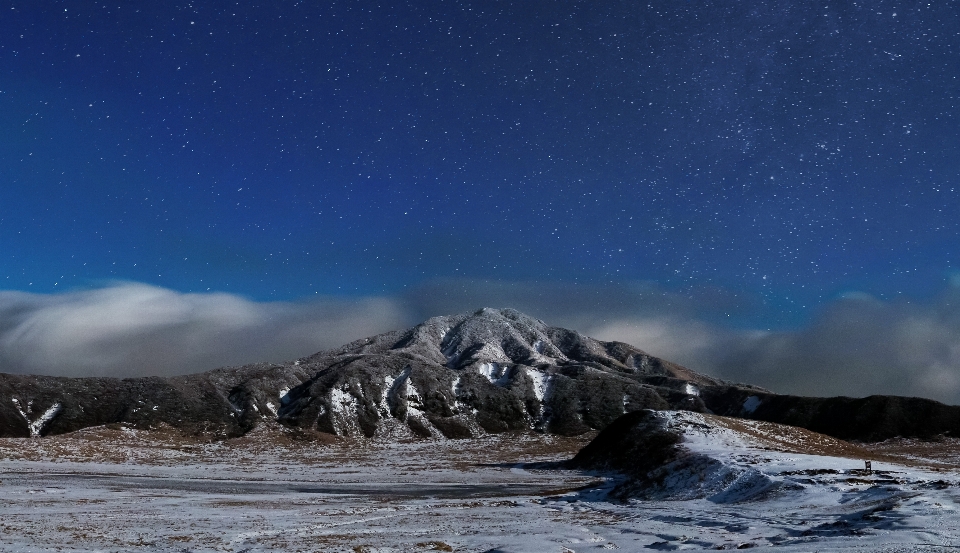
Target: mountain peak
[486, 335]
[507, 336]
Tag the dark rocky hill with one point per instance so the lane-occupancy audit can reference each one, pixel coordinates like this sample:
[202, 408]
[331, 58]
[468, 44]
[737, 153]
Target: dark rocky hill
[222, 402]
[458, 376]
[868, 419]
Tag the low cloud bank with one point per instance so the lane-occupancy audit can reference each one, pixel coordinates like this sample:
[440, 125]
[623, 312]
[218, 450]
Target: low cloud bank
[856, 346]
[133, 329]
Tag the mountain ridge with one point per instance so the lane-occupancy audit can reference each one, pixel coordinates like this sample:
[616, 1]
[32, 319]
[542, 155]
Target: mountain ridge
[492, 370]
[454, 376]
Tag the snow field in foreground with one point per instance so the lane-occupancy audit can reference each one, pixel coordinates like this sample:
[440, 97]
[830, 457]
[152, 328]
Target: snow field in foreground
[125, 490]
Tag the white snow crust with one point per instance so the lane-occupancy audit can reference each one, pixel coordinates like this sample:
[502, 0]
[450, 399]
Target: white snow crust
[37, 426]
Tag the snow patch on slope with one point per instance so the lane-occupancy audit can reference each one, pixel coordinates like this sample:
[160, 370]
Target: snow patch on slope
[343, 407]
[414, 401]
[37, 425]
[455, 385]
[538, 346]
[497, 374]
[16, 403]
[541, 383]
[459, 406]
[701, 476]
[383, 406]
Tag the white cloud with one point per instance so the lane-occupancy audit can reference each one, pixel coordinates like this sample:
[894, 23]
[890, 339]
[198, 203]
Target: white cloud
[856, 346]
[133, 329]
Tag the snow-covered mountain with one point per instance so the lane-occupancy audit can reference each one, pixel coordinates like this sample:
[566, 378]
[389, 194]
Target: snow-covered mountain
[456, 376]
[490, 371]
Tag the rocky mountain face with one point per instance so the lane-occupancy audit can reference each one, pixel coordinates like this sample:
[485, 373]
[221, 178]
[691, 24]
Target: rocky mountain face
[494, 370]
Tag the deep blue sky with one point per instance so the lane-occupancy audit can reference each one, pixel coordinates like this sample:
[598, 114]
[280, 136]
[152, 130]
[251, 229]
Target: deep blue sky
[785, 151]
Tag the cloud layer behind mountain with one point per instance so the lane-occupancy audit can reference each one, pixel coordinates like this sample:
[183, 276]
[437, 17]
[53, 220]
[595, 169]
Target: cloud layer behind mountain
[856, 346]
[131, 329]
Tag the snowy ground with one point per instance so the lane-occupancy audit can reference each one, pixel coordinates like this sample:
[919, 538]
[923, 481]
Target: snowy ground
[124, 490]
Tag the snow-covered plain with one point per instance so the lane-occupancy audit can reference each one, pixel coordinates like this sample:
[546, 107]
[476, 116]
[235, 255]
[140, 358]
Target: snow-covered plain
[119, 489]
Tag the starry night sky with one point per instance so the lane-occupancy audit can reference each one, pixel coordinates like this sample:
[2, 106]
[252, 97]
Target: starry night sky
[782, 154]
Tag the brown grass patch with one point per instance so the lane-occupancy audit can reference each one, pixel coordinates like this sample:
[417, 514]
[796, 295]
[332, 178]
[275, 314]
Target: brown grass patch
[792, 439]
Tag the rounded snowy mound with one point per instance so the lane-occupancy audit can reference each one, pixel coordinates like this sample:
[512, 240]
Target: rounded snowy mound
[680, 455]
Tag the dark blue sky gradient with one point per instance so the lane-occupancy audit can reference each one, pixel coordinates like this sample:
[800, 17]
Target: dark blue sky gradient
[785, 151]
